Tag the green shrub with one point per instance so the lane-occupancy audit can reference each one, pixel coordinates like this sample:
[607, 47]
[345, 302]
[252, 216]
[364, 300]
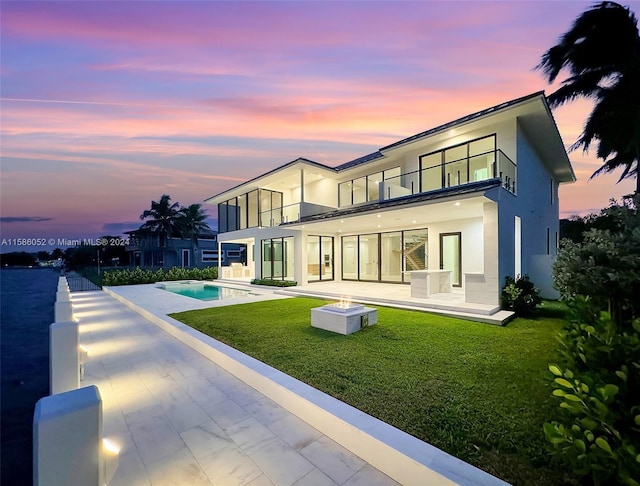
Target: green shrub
[606, 265]
[520, 296]
[274, 283]
[597, 389]
[144, 276]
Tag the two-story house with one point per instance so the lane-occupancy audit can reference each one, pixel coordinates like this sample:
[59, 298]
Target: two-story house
[476, 198]
[148, 249]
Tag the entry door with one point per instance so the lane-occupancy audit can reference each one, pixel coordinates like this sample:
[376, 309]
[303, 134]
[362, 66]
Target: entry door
[451, 256]
[185, 258]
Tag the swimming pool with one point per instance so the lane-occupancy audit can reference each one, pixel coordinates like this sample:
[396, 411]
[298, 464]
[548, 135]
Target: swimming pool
[202, 291]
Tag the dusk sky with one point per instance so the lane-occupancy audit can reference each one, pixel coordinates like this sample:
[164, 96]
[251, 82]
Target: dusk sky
[106, 106]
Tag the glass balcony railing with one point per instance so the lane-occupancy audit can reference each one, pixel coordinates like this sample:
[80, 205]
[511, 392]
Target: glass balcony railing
[488, 165]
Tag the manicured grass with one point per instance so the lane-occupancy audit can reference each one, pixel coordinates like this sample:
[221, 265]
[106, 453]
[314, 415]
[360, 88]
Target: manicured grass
[474, 390]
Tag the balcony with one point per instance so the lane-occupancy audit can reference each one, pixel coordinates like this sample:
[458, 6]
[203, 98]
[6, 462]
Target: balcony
[292, 213]
[489, 165]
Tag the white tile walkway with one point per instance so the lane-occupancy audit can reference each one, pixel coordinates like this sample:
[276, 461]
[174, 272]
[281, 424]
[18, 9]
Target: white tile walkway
[180, 419]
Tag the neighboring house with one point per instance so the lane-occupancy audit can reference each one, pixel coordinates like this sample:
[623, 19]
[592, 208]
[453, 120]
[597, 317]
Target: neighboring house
[477, 197]
[147, 249]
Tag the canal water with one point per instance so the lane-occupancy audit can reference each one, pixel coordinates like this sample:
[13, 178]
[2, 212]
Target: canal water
[27, 298]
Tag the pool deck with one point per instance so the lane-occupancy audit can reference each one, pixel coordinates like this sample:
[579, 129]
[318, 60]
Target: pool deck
[180, 419]
[180, 406]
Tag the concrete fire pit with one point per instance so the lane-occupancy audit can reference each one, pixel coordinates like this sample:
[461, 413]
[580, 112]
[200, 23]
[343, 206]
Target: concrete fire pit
[343, 317]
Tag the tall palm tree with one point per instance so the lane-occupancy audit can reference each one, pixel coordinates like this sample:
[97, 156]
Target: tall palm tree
[192, 222]
[162, 217]
[601, 52]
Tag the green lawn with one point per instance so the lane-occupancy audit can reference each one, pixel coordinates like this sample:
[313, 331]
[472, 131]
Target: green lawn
[474, 390]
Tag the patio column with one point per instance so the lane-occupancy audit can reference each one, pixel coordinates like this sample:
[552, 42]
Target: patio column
[484, 288]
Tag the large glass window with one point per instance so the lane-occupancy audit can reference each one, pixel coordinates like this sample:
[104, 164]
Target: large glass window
[319, 258]
[384, 257]
[391, 257]
[451, 256]
[365, 188]
[350, 258]
[277, 259]
[415, 251]
[468, 162]
[252, 205]
[368, 257]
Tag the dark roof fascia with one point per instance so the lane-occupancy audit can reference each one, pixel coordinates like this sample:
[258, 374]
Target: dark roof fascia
[465, 119]
[272, 171]
[360, 160]
[469, 188]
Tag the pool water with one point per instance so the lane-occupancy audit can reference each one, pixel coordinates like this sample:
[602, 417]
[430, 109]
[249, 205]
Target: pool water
[205, 292]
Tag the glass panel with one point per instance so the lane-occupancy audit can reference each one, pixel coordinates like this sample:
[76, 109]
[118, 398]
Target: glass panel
[314, 267]
[389, 173]
[450, 257]
[344, 193]
[391, 257]
[484, 145]
[265, 207]
[368, 257]
[350, 257]
[242, 211]
[327, 258]
[278, 258]
[287, 258]
[266, 259]
[276, 208]
[373, 186]
[481, 167]
[253, 209]
[232, 215]
[360, 190]
[431, 173]
[222, 218]
[455, 169]
[415, 251]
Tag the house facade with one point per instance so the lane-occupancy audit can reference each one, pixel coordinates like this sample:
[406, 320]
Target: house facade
[148, 249]
[476, 198]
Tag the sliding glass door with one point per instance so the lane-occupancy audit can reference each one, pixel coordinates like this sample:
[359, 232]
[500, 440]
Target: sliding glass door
[319, 258]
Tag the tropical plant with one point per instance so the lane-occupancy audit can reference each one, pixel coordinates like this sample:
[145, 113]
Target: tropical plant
[192, 222]
[601, 52]
[596, 430]
[520, 295]
[162, 218]
[606, 265]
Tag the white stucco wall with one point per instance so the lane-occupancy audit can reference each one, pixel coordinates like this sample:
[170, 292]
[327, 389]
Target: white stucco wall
[538, 211]
[472, 243]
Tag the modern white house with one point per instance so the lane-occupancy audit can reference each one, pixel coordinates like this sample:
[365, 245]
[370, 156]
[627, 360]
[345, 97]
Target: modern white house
[454, 209]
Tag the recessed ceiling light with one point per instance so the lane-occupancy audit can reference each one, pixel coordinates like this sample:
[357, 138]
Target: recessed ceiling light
[378, 216]
[342, 220]
[414, 221]
[378, 226]
[457, 204]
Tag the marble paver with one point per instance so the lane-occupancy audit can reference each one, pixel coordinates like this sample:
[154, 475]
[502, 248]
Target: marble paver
[180, 419]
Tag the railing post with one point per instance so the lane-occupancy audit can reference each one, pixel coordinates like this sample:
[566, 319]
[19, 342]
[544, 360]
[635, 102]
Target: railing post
[67, 439]
[64, 362]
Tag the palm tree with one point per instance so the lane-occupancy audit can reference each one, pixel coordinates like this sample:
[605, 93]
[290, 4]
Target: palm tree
[601, 52]
[162, 218]
[192, 223]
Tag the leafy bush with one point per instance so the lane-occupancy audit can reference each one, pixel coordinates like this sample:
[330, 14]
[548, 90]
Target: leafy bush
[597, 431]
[144, 276]
[274, 283]
[606, 265]
[520, 296]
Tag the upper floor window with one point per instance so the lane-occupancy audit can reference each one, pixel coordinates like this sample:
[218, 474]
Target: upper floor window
[365, 188]
[260, 207]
